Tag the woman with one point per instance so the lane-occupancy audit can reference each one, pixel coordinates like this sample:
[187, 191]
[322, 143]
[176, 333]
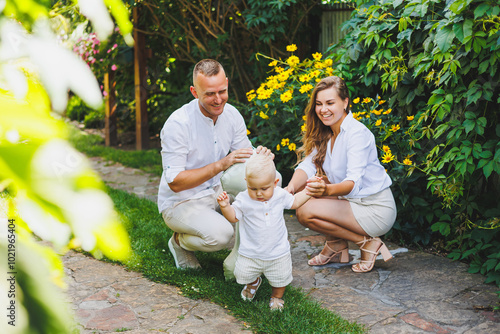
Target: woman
[352, 199]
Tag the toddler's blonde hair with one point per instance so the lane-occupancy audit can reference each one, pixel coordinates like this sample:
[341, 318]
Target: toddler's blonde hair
[259, 165]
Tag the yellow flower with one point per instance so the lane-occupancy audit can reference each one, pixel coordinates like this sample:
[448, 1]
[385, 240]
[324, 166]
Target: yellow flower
[273, 63]
[407, 162]
[293, 60]
[263, 116]
[388, 111]
[304, 117]
[251, 95]
[285, 141]
[410, 118]
[304, 77]
[278, 147]
[317, 56]
[386, 149]
[376, 112]
[377, 123]
[395, 127]
[303, 127]
[279, 69]
[381, 102]
[292, 147]
[388, 157]
[319, 65]
[266, 106]
[329, 71]
[356, 100]
[305, 88]
[291, 48]
[286, 96]
[367, 100]
[357, 115]
[328, 62]
[248, 132]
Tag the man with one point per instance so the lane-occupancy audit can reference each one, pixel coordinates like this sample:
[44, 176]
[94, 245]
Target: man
[196, 140]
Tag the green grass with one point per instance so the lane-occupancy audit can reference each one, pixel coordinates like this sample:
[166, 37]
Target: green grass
[149, 238]
[93, 146]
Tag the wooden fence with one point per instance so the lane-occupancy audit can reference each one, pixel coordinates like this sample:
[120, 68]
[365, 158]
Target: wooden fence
[331, 20]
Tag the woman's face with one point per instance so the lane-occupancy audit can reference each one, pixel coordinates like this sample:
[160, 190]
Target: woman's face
[330, 107]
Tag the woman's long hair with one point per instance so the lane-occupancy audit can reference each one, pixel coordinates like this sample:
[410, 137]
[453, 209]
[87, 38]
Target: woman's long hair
[317, 134]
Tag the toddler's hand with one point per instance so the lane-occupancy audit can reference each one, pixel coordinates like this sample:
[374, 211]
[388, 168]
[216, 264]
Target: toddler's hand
[223, 199]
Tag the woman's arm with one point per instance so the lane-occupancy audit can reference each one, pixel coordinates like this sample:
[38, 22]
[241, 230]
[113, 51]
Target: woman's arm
[297, 182]
[317, 188]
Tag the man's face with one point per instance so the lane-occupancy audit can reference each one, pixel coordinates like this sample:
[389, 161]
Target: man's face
[211, 93]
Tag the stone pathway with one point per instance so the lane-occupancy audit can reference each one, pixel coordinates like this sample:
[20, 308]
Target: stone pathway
[415, 292]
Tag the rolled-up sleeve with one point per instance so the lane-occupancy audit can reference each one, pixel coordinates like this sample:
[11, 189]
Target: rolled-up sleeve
[174, 155]
[307, 165]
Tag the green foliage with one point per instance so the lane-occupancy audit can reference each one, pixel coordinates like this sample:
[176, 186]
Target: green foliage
[149, 238]
[76, 110]
[94, 119]
[439, 61]
[46, 187]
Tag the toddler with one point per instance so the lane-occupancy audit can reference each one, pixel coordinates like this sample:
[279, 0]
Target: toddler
[264, 247]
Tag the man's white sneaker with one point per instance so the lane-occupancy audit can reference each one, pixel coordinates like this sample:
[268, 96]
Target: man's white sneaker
[183, 259]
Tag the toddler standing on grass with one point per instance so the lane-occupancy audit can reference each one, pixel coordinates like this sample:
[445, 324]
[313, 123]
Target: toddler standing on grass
[264, 247]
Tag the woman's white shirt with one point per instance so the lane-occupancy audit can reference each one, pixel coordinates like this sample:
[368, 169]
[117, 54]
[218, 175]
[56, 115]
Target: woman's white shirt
[354, 157]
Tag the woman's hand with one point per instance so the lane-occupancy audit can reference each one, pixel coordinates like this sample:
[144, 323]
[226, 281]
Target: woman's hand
[315, 186]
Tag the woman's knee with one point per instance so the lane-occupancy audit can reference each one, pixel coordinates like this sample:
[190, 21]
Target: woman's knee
[304, 216]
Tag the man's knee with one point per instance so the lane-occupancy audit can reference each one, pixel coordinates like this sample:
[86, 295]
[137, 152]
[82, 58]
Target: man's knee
[221, 239]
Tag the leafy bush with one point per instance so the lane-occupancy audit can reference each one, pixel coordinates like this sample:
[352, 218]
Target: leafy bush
[439, 60]
[76, 109]
[94, 119]
[435, 61]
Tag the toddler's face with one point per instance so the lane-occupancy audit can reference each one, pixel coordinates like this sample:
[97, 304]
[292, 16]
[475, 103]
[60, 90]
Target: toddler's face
[261, 188]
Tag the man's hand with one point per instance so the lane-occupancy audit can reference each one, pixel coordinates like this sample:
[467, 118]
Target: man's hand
[223, 199]
[235, 157]
[265, 151]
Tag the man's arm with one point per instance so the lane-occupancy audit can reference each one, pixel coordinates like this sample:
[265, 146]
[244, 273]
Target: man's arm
[188, 179]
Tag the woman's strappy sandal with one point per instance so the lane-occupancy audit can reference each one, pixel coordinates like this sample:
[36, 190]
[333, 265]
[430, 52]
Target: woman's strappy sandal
[340, 256]
[249, 291]
[365, 266]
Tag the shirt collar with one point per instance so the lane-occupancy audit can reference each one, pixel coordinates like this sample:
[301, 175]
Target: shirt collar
[348, 120]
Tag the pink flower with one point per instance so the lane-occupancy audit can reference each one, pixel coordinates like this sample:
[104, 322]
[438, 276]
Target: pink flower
[115, 46]
[105, 93]
[113, 67]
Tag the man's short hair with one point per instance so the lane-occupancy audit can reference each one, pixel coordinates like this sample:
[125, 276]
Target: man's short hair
[207, 67]
[260, 165]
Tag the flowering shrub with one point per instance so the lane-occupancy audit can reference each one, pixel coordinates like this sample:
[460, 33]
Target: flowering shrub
[278, 120]
[101, 57]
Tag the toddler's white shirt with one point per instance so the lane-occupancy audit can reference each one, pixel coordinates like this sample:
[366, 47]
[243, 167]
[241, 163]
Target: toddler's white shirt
[263, 233]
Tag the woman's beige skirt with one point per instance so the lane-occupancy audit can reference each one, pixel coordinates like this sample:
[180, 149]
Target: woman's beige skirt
[376, 213]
